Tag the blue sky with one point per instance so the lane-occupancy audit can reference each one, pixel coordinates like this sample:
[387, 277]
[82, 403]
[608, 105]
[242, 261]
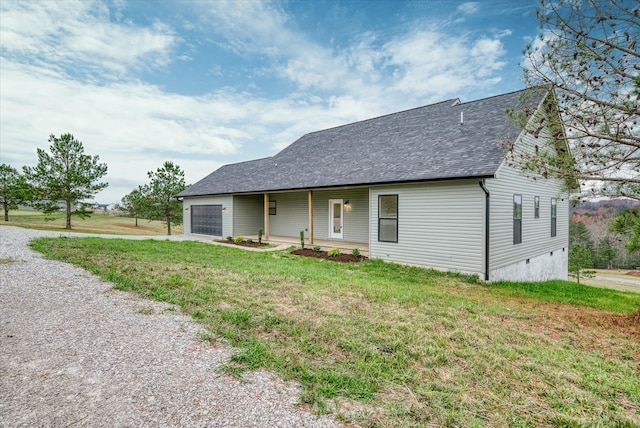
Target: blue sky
[207, 83]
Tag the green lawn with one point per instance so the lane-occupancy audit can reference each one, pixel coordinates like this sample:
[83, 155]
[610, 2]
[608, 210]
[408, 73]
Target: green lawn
[96, 223]
[380, 344]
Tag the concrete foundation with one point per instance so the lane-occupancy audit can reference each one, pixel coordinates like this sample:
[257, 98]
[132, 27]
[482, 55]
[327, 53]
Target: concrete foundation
[552, 265]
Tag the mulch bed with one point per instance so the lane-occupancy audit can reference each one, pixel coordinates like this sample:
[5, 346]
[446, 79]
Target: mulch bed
[344, 258]
[634, 273]
[245, 244]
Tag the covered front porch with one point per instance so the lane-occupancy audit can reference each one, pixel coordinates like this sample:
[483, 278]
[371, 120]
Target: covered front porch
[326, 217]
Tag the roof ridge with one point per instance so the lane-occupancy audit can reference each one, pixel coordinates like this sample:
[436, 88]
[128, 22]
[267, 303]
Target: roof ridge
[492, 96]
[381, 116]
[248, 161]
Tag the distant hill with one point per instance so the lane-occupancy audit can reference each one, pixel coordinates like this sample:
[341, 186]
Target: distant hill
[590, 211]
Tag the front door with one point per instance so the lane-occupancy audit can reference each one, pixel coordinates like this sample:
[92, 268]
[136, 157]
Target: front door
[335, 218]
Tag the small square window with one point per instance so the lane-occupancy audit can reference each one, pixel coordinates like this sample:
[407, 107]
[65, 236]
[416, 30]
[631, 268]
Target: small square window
[272, 207]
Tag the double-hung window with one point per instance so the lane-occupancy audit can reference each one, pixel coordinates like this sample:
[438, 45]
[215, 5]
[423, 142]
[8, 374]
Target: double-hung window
[517, 219]
[388, 218]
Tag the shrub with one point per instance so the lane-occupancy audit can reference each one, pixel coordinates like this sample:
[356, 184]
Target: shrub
[333, 252]
[316, 249]
[249, 241]
[302, 239]
[238, 239]
[355, 252]
[260, 233]
[229, 238]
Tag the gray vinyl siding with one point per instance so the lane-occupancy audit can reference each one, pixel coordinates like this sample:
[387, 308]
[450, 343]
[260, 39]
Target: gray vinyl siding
[440, 225]
[248, 214]
[536, 232]
[292, 214]
[227, 214]
[356, 214]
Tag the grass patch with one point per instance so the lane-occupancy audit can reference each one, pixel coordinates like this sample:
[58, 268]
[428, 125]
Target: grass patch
[381, 344]
[568, 292]
[97, 223]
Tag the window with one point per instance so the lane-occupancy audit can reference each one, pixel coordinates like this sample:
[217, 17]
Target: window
[554, 214]
[272, 207]
[388, 218]
[517, 219]
[536, 206]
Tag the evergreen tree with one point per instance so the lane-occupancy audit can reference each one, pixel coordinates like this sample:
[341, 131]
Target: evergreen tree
[587, 54]
[627, 223]
[136, 204]
[607, 253]
[65, 178]
[579, 261]
[13, 189]
[166, 183]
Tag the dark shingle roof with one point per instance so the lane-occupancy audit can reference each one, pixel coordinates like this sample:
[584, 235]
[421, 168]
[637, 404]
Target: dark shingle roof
[425, 143]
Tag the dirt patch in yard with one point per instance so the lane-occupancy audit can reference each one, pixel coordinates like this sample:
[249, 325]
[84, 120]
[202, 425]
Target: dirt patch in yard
[589, 327]
[628, 324]
[344, 258]
[634, 273]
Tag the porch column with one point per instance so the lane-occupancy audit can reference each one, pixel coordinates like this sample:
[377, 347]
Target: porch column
[310, 217]
[266, 216]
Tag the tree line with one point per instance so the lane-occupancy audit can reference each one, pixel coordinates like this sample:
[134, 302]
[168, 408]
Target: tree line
[65, 178]
[607, 241]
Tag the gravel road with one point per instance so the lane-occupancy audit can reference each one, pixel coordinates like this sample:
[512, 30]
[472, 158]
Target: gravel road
[76, 353]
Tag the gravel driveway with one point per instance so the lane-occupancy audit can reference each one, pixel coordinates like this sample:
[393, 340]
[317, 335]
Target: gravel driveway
[74, 352]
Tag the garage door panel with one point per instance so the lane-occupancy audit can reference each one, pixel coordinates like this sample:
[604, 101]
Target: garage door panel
[206, 219]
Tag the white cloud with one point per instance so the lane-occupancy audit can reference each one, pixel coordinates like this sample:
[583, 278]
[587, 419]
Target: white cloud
[487, 52]
[248, 26]
[503, 33]
[419, 65]
[131, 126]
[434, 64]
[263, 28]
[79, 38]
[469, 8]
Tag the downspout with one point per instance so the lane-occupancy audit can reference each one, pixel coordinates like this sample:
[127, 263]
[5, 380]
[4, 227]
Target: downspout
[486, 230]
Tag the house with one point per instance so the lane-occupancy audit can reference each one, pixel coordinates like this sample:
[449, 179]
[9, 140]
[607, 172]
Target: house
[428, 186]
